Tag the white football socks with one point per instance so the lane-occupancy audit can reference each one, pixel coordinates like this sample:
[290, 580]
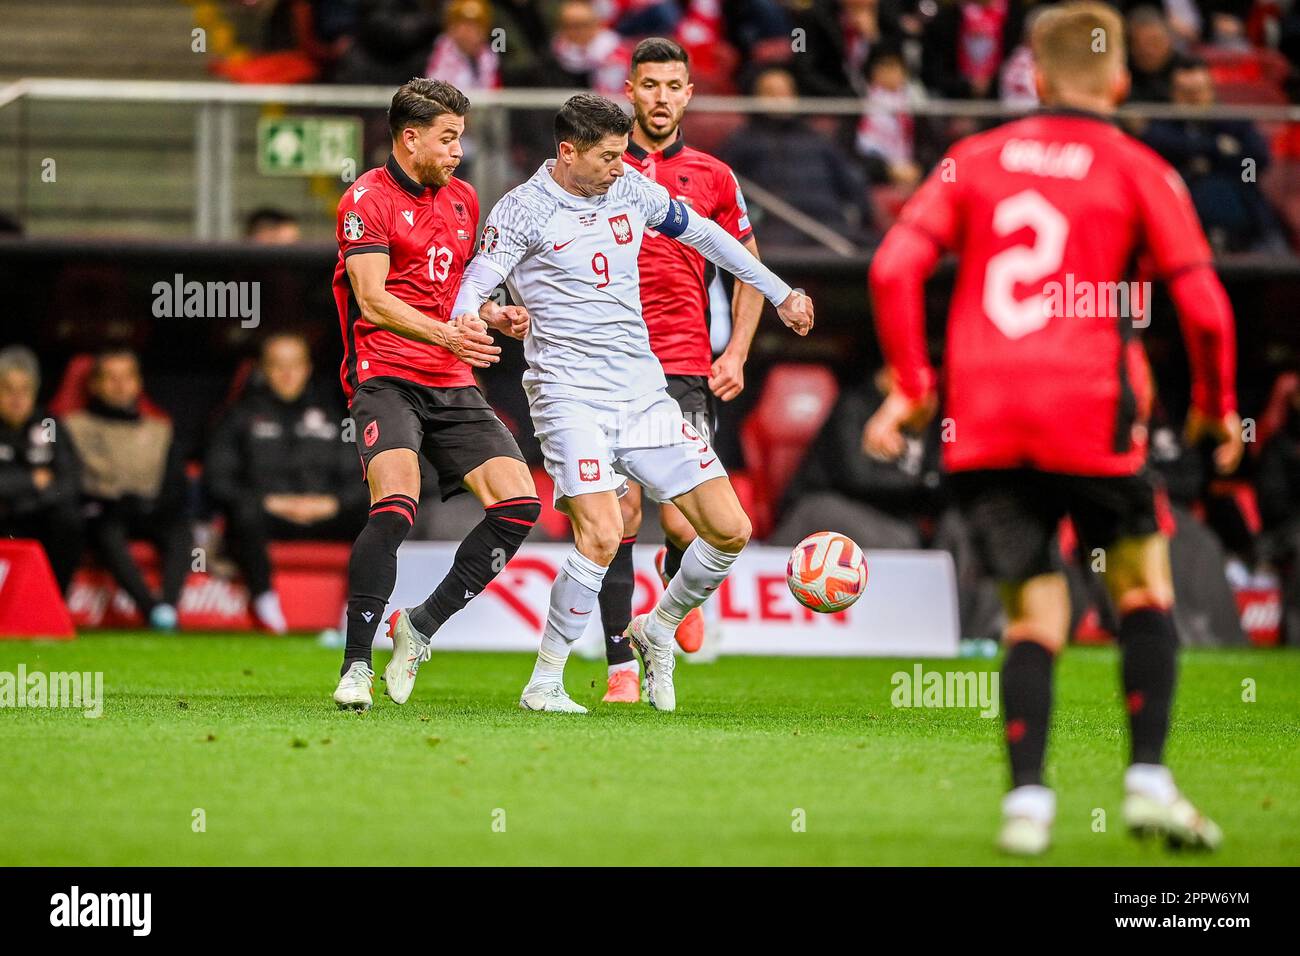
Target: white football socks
[703, 569]
[1038, 803]
[1152, 780]
[573, 598]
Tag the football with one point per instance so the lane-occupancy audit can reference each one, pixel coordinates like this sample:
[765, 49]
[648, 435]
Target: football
[827, 572]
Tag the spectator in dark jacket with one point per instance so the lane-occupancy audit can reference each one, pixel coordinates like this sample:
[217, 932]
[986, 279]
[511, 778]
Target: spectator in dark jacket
[279, 468]
[1222, 162]
[391, 42]
[966, 44]
[1152, 55]
[835, 39]
[582, 53]
[133, 481]
[785, 156]
[39, 493]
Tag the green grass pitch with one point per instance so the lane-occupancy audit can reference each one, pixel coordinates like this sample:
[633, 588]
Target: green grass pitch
[243, 729]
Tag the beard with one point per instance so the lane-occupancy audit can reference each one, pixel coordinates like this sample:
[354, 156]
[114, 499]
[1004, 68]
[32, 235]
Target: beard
[433, 173]
[650, 127]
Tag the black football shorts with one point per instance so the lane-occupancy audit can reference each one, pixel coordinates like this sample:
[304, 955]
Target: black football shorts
[692, 395]
[1013, 515]
[454, 428]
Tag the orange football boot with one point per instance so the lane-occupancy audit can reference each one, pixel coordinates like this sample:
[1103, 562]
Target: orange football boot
[624, 687]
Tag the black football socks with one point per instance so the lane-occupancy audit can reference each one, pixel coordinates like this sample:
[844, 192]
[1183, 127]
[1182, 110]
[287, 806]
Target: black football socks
[372, 572]
[1027, 709]
[616, 603]
[1149, 651]
[480, 558]
[673, 559]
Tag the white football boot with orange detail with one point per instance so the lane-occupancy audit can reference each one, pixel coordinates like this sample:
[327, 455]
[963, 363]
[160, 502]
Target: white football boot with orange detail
[410, 650]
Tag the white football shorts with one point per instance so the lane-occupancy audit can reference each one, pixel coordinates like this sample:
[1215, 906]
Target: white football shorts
[592, 445]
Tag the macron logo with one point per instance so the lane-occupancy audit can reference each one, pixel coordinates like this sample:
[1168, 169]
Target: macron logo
[103, 909]
[468, 595]
[368, 615]
[409, 217]
[359, 192]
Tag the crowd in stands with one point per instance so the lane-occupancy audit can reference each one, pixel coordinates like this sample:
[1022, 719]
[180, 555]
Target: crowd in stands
[890, 54]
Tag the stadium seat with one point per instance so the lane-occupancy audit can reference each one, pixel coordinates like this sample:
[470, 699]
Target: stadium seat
[710, 131]
[794, 403]
[887, 202]
[1239, 69]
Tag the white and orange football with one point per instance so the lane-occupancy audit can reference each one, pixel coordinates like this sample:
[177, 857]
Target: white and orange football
[827, 572]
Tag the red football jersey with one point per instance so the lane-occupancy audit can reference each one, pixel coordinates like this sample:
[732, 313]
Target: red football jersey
[674, 277]
[1049, 217]
[428, 234]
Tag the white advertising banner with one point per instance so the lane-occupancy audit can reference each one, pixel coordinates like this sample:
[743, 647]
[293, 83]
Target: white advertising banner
[909, 608]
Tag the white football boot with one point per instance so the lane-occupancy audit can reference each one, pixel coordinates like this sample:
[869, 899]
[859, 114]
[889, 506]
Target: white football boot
[659, 661]
[410, 650]
[550, 697]
[1027, 816]
[355, 688]
[1153, 807]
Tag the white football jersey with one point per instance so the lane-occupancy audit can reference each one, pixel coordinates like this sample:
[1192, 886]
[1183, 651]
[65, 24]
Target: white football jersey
[572, 262]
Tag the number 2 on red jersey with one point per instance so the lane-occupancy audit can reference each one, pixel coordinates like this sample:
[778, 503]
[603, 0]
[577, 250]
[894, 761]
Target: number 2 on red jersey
[1021, 264]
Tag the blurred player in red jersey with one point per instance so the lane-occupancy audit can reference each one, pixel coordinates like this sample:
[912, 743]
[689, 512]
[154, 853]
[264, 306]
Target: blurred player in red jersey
[1047, 389]
[675, 282]
[405, 232]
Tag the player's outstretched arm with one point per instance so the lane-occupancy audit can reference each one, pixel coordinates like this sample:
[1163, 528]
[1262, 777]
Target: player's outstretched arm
[724, 251]
[368, 273]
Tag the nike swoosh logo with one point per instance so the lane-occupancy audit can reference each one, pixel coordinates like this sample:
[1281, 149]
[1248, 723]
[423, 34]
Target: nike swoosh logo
[574, 610]
[705, 464]
[561, 245]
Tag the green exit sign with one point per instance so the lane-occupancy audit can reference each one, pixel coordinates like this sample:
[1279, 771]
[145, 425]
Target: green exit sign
[307, 145]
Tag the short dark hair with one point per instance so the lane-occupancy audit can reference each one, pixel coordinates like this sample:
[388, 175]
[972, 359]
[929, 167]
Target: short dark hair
[265, 217]
[111, 351]
[420, 101]
[587, 118]
[884, 52]
[659, 50]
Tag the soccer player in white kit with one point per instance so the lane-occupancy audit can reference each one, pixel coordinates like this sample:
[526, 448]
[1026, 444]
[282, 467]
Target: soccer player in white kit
[566, 243]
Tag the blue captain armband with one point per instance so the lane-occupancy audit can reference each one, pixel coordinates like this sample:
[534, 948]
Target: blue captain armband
[676, 221]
